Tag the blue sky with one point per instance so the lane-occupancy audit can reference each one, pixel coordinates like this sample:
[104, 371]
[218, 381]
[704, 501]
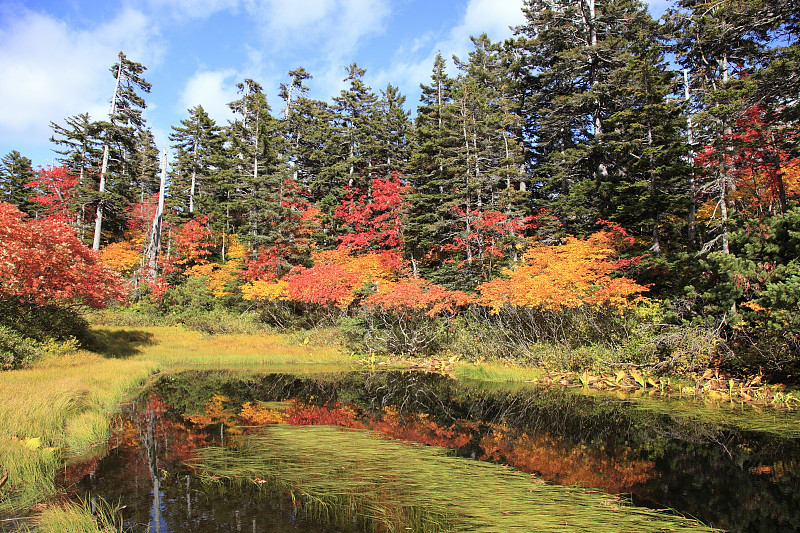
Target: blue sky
[55, 54]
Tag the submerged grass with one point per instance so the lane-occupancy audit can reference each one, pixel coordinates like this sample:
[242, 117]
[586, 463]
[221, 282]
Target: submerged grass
[391, 486]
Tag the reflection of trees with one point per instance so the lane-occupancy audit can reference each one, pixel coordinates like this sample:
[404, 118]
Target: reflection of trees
[731, 478]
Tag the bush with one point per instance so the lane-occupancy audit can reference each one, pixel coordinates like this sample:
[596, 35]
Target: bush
[376, 330]
[17, 351]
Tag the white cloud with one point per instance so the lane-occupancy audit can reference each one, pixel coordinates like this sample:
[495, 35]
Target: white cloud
[52, 71]
[413, 62]
[213, 89]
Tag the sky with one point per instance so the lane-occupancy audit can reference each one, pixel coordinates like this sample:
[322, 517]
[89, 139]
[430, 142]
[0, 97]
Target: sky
[55, 55]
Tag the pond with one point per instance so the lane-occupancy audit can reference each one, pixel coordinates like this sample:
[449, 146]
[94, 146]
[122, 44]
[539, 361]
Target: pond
[410, 451]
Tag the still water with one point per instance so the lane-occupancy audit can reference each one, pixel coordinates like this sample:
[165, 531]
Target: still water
[728, 478]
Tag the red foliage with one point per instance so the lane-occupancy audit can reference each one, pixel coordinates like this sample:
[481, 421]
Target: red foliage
[193, 241]
[326, 284]
[55, 187]
[375, 217]
[490, 235]
[759, 158]
[44, 262]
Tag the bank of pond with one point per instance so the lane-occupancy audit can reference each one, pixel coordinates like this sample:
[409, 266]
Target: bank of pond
[212, 451]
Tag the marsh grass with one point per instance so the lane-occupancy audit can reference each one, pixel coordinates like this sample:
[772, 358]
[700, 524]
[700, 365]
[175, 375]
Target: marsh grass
[90, 515]
[60, 408]
[340, 476]
[179, 346]
[496, 371]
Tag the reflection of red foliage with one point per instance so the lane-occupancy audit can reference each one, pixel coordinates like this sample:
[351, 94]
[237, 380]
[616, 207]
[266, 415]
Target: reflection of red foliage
[566, 464]
[419, 428]
[302, 414]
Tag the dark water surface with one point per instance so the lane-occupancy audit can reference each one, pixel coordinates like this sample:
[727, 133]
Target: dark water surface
[729, 478]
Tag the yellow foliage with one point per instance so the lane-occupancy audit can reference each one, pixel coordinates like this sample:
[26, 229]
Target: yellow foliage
[265, 290]
[566, 276]
[122, 256]
[219, 275]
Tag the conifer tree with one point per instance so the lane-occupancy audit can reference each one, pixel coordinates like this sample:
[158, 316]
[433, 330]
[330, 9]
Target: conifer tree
[78, 145]
[119, 138]
[198, 146]
[15, 173]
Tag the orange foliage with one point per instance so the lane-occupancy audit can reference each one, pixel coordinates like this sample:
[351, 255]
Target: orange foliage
[417, 294]
[564, 276]
[418, 428]
[566, 464]
[332, 281]
[124, 256]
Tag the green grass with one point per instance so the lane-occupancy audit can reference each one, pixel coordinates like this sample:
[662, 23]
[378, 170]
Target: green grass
[66, 403]
[342, 476]
[86, 516]
[60, 408]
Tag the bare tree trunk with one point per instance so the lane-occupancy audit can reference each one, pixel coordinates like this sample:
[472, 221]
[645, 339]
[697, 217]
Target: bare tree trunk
[690, 218]
[98, 222]
[154, 248]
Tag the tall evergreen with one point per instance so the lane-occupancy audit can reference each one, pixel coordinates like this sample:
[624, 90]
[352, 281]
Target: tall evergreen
[79, 148]
[255, 145]
[119, 137]
[15, 173]
[198, 148]
[433, 163]
[575, 54]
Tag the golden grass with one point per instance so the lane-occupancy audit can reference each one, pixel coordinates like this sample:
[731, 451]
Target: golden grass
[178, 346]
[61, 407]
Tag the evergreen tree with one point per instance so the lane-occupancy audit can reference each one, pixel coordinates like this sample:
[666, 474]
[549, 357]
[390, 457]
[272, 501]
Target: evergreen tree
[256, 143]
[575, 54]
[119, 142]
[393, 126]
[433, 163]
[15, 173]
[78, 144]
[198, 146]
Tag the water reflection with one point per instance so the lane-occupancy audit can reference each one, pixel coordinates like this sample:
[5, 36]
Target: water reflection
[737, 480]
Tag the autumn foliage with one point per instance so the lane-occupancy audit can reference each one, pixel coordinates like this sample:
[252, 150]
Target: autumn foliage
[576, 273]
[43, 262]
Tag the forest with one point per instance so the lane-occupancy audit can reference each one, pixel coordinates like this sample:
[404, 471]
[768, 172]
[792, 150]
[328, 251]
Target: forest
[602, 189]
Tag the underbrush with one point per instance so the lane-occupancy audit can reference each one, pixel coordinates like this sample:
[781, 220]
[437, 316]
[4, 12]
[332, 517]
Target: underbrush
[29, 332]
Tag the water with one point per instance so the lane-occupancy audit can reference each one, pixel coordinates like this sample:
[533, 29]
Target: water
[729, 478]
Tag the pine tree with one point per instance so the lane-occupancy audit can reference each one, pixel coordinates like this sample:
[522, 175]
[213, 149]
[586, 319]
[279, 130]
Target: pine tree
[198, 145]
[119, 139]
[15, 173]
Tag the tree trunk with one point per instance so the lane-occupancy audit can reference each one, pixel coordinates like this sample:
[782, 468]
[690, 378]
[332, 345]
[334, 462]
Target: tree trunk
[98, 222]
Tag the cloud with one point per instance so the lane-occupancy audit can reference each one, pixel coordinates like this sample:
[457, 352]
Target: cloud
[413, 62]
[213, 89]
[52, 71]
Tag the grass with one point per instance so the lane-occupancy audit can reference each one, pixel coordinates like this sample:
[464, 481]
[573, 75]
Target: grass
[62, 407]
[86, 516]
[57, 409]
[177, 346]
[391, 486]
